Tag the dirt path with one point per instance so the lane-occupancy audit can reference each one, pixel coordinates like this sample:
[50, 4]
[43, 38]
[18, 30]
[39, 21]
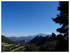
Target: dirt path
[17, 48]
[6, 44]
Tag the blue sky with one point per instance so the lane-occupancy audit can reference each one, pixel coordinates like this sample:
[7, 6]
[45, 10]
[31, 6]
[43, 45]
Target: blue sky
[29, 18]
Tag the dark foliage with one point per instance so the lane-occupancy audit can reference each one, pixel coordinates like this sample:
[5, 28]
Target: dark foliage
[53, 36]
[53, 43]
[31, 47]
[63, 17]
[63, 44]
[6, 40]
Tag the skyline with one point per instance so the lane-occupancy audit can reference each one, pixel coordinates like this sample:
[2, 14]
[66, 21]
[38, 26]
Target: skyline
[29, 18]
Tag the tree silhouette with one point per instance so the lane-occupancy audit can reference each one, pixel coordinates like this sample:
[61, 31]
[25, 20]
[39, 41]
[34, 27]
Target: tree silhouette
[54, 36]
[62, 18]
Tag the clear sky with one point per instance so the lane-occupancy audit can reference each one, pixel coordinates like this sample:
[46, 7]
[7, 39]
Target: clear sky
[29, 18]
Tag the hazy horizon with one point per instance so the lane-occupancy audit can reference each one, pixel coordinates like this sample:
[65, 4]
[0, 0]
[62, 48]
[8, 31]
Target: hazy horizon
[29, 18]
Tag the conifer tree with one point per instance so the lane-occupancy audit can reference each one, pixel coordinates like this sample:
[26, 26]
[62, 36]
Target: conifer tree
[62, 18]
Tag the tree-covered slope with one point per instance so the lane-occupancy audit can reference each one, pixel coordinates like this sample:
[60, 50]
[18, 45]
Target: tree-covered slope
[6, 40]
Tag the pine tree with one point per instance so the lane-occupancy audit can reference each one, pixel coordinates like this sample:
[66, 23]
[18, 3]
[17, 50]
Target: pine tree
[62, 18]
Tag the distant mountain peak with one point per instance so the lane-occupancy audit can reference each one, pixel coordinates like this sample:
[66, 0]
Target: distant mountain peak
[42, 34]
